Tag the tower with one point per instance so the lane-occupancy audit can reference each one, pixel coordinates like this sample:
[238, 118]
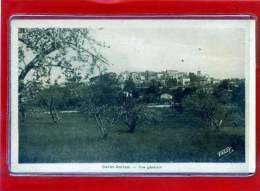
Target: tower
[199, 71]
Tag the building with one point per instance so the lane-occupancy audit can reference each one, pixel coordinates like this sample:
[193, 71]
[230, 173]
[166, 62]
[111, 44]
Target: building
[185, 81]
[149, 75]
[123, 76]
[183, 78]
[166, 97]
[160, 75]
[136, 77]
[172, 73]
[215, 81]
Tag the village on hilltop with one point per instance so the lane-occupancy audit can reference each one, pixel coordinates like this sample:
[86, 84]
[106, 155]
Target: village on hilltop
[168, 81]
[182, 78]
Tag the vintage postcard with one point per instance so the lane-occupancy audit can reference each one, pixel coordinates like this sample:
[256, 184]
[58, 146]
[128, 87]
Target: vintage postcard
[149, 96]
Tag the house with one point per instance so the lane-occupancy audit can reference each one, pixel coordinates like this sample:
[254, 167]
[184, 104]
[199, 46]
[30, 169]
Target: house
[215, 81]
[123, 76]
[136, 77]
[166, 97]
[172, 73]
[185, 81]
[151, 75]
[160, 75]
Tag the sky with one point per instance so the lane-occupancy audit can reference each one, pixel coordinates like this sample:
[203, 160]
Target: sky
[217, 49]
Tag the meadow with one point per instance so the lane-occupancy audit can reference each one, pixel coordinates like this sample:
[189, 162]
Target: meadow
[178, 139]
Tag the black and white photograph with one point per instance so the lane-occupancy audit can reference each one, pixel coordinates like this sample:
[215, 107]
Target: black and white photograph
[132, 95]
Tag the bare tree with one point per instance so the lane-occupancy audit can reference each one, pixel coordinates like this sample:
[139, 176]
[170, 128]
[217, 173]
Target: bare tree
[106, 117]
[102, 102]
[135, 114]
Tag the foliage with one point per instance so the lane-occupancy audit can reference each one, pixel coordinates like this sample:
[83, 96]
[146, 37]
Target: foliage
[179, 95]
[134, 113]
[206, 107]
[171, 82]
[152, 93]
[105, 89]
[105, 116]
[194, 79]
[44, 52]
[56, 47]
[223, 91]
[101, 102]
[238, 95]
[130, 88]
[28, 98]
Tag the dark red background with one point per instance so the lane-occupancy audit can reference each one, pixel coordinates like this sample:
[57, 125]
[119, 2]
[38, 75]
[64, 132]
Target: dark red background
[76, 183]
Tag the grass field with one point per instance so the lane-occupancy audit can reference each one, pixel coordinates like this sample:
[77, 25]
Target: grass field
[77, 140]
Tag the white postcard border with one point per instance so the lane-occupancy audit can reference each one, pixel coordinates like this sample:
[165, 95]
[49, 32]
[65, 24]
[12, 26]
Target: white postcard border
[16, 167]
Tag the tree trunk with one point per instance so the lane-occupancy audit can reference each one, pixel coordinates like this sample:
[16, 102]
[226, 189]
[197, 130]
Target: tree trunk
[22, 110]
[32, 64]
[132, 125]
[23, 114]
[28, 67]
[53, 112]
[105, 135]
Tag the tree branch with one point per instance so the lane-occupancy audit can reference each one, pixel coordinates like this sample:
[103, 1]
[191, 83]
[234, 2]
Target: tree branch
[86, 50]
[34, 61]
